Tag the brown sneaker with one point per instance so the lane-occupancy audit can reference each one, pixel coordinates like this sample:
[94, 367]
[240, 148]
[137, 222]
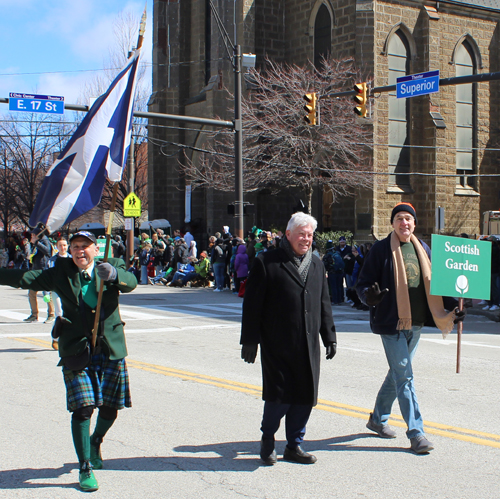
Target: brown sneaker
[49, 319]
[31, 318]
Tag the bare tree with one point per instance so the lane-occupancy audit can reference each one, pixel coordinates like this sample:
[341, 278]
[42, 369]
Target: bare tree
[280, 150]
[7, 192]
[29, 143]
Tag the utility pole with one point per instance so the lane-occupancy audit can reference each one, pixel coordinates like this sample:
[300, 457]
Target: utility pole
[236, 63]
[238, 145]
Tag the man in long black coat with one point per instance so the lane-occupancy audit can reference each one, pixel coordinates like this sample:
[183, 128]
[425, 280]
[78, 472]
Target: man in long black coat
[286, 308]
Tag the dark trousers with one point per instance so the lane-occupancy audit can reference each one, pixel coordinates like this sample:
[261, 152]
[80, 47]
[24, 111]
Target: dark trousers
[237, 282]
[295, 421]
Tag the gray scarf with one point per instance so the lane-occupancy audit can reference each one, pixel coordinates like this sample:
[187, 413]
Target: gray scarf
[303, 263]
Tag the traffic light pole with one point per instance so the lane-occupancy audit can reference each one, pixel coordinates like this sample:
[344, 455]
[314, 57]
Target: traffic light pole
[238, 145]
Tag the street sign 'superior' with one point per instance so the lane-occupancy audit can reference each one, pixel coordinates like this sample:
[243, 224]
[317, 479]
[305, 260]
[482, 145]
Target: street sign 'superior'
[131, 206]
[460, 267]
[31, 103]
[418, 84]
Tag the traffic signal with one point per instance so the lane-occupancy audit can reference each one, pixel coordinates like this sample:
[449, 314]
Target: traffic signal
[360, 99]
[310, 107]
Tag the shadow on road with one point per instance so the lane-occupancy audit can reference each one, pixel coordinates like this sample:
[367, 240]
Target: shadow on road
[230, 456]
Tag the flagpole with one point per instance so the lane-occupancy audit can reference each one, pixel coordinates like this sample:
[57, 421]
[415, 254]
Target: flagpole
[112, 208]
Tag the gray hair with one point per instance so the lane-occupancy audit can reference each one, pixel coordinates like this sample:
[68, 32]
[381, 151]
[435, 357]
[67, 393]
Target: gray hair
[301, 219]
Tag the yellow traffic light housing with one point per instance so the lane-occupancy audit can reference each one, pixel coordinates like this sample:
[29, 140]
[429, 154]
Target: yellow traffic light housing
[360, 99]
[310, 107]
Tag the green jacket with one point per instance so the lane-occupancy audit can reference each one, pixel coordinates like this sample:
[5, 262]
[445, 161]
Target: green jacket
[202, 267]
[64, 279]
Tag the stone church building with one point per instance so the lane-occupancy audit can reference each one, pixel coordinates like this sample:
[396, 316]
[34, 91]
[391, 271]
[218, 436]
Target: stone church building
[435, 150]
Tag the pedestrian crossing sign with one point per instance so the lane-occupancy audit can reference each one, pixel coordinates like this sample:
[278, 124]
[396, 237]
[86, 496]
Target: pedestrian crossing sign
[131, 206]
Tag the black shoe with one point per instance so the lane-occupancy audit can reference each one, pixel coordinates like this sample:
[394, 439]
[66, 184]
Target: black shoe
[297, 455]
[267, 452]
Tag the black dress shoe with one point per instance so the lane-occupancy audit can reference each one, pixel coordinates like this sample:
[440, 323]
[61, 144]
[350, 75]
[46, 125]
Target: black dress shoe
[267, 452]
[297, 455]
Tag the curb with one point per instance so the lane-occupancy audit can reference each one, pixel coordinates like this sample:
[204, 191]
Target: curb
[493, 316]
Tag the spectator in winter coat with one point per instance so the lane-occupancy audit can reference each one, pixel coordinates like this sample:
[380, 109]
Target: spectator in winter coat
[181, 253]
[193, 250]
[201, 269]
[42, 251]
[344, 249]
[218, 261]
[144, 258]
[241, 264]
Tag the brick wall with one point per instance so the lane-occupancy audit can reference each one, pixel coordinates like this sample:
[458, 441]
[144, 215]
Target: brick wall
[281, 29]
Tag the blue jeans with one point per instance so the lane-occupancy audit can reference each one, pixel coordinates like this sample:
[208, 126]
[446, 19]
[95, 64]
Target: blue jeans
[189, 277]
[295, 422]
[219, 270]
[144, 274]
[399, 351]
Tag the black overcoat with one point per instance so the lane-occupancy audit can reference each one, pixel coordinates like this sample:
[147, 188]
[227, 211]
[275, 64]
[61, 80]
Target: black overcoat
[287, 316]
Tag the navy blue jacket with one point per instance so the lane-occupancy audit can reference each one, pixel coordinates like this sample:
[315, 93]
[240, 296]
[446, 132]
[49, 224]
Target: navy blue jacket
[379, 267]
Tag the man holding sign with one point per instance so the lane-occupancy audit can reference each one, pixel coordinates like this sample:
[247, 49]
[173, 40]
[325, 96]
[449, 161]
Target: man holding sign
[395, 284]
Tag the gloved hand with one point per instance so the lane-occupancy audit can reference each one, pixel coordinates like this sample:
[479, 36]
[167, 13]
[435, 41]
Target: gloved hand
[106, 271]
[459, 316]
[374, 296]
[331, 350]
[248, 353]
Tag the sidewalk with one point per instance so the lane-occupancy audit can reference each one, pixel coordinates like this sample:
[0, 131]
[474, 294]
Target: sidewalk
[478, 310]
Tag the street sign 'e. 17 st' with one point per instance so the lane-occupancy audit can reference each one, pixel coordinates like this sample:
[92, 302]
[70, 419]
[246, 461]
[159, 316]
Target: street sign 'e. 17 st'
[31, 103]
[419, 84]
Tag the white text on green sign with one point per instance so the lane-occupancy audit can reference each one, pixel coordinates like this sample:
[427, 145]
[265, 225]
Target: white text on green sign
[460, 267]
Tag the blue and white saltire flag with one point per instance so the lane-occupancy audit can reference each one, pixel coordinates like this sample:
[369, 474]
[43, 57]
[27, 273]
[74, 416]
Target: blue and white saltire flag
[98, 149]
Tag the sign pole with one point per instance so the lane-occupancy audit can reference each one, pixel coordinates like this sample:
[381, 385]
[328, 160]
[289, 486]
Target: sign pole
[460, 327]
[460, 267]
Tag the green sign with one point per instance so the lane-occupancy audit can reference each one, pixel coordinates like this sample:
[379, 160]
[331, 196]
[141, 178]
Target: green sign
[460, 267]
[131, 206]
[101, 244]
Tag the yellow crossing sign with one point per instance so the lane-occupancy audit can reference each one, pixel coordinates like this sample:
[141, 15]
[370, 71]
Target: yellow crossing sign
[131, 206]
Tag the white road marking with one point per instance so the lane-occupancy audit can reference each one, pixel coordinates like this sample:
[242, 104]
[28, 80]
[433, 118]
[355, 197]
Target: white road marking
[454, 343]
[11, 314]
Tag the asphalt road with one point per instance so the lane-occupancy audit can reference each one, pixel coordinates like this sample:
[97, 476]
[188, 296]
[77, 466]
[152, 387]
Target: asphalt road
[193, 430]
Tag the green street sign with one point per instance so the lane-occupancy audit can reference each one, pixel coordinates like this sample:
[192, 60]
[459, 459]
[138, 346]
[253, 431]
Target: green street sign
[460, 267]
[131, 206]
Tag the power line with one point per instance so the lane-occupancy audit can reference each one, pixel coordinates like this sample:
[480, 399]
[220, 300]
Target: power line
[143, 64]
[361, 172]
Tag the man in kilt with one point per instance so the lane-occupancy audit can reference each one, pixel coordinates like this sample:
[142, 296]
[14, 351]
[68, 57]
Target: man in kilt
[96, 378]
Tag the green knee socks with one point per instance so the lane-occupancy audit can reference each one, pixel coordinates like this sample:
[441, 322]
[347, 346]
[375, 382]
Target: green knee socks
[81, 438]
[102, 426]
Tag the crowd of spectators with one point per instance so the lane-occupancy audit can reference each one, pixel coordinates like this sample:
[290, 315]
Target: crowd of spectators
[176, 260]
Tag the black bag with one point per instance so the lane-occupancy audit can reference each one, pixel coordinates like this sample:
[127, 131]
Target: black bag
[79, 361]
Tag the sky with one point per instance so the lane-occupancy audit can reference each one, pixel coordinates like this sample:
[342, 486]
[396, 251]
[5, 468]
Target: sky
[52, 47]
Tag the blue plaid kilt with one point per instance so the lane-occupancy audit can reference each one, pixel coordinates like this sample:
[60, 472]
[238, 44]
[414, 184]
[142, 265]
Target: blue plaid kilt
[104, 382]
